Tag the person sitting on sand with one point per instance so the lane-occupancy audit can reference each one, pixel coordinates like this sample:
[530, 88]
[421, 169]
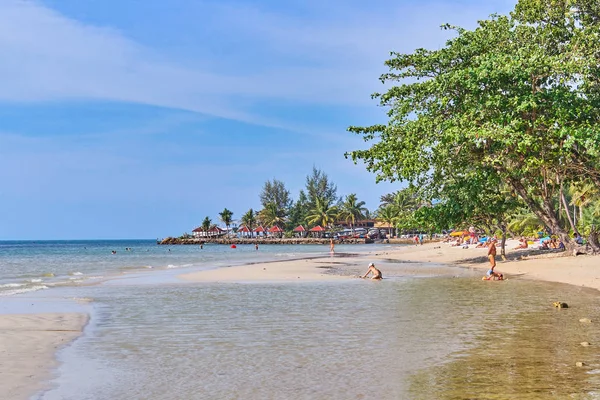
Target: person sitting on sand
[493, 276]
[458, 242]
[522, 244]
[483, 243]
[376, 273]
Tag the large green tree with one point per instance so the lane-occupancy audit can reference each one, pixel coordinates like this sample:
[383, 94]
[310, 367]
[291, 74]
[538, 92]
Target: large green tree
[318, 186]
[274, 193]
[298, 211]
[519, 96]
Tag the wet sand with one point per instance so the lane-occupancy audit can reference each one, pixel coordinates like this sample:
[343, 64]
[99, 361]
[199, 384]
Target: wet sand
[315, 269]
[28, 345]
[440, 259]
[524, 263]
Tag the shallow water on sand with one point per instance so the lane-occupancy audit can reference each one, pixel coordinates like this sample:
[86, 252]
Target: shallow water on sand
[403, 338]
[32, 266]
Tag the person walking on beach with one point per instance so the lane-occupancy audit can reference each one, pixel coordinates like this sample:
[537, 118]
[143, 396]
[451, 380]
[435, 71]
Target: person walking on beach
[376, 273]
[331, 246]
[492, 257]
[492, 253]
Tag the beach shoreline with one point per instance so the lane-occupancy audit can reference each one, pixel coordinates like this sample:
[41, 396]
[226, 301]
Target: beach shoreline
[29, 344]
[550, 267]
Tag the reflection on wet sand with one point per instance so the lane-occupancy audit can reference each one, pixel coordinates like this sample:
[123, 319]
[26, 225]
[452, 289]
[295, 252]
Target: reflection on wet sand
[528, 354]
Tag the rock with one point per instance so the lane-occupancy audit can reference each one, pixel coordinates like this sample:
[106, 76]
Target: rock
[585, 344]
[585, 320]
[579, 364]
[560, 304]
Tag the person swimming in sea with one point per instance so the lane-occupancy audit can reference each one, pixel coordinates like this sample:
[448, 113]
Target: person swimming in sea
[372, 270]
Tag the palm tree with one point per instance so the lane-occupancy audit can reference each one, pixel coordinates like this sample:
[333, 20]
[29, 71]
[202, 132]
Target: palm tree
[271, 215]
[249, 219]
[352, 210]
[582, 195]
[406, 201]
[323, 213]
[388, 214]
[525, 223]
[226, 217]
[206, 224]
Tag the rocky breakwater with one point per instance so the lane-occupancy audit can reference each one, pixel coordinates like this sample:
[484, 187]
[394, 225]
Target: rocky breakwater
[230, 241]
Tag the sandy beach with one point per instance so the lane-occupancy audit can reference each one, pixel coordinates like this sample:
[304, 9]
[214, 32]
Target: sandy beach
[28, 343]
[522, 263]
[316, 269]
[28, 346]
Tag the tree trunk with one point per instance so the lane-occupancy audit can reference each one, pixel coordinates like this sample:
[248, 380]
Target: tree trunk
[593, 240]
[544, 212]
[567, 211]
[503, 242]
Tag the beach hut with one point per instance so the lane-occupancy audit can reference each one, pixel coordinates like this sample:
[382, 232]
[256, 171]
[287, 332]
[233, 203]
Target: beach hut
[318, 230]
[260, 231]
[244, 231]
[198, 232]
[276, 231]
[299, 231]
[215, 231]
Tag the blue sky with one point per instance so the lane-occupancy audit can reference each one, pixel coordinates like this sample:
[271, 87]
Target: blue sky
[138, 118]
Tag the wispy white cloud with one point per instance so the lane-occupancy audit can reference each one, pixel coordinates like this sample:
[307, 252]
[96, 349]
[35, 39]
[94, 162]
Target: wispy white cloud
[47, 56]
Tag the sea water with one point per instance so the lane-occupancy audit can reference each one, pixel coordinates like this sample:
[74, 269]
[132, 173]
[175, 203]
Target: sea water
[411, 336]
[404, 338]
[27, 266]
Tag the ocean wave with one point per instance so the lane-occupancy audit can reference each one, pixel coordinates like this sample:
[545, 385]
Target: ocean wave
[172, 266]
[34, 280]
[75, 273]
[7, 285]
[23, 290]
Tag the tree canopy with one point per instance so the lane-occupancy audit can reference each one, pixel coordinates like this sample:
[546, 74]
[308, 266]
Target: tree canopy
[516, 99]
[318, 186]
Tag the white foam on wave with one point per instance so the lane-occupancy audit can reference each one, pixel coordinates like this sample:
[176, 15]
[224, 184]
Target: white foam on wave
[172, 266]
[76, 273]
[24, 290]
[7, 285]
[35, 280]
